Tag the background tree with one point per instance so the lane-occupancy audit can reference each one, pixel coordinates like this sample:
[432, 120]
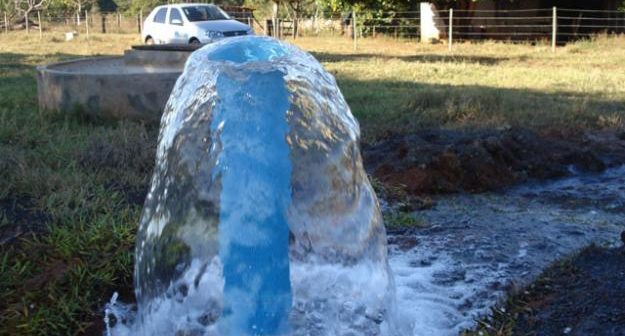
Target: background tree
[137, 6]
[299, 8]
[24, 8]
[7, 6]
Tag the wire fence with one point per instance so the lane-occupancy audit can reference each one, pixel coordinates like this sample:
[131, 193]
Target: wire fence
[557, 25]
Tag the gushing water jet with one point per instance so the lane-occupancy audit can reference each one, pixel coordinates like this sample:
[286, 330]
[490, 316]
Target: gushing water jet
[260, 219]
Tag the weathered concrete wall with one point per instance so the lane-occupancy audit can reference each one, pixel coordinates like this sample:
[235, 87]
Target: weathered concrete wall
[156, 58]
[136, 86]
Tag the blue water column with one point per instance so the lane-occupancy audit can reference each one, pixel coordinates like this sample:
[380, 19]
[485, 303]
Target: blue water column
[254, 170]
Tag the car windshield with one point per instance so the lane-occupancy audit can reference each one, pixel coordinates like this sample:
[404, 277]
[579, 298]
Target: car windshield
[204, 13]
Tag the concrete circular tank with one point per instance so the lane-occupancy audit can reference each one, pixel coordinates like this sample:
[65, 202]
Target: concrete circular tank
[133, 86]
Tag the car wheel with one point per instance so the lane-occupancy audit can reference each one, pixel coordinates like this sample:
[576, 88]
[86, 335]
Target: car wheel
[194, 42]
[149, 40]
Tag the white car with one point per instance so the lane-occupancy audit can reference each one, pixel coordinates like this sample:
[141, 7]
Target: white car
[190, 24]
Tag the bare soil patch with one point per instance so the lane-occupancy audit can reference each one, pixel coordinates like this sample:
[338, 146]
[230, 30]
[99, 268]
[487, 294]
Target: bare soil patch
[581, 296]
[448, 161]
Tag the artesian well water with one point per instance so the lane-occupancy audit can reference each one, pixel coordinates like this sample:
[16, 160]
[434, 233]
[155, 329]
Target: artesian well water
[260, 219]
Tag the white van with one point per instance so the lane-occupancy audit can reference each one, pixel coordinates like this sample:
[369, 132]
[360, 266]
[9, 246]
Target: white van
[190, 24]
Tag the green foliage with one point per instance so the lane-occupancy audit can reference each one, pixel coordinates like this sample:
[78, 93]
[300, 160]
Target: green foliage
[55, 281]
[403, 220]
[7, 6]
[145, 5]
[229, 2]
[262, 8]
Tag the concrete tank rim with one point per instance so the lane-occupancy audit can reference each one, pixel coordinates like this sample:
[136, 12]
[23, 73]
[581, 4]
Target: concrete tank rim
[50, 68]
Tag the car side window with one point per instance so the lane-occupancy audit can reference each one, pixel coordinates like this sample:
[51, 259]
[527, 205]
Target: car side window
[159, 17]
[175, 15]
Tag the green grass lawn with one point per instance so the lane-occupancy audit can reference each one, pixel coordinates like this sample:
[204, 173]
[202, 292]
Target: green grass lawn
[79, 184]
[404, 86]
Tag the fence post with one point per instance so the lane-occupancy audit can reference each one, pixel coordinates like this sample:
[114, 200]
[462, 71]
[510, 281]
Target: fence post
[139, 23]
[27, 23]
[103, 19]
[87, 24]
[6, 23]
[354, 31]
[451, 28]
[554, 31]
[374, 35]
[39, 23]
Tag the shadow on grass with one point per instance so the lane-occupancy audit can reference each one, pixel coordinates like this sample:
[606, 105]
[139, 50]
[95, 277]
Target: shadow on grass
[421, 58]
[391, 106]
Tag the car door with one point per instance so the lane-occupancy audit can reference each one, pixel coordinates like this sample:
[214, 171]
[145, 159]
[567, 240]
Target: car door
[175, 27]
[159, 29]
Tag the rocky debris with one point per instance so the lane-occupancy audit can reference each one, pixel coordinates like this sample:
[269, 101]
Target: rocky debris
[446, 161]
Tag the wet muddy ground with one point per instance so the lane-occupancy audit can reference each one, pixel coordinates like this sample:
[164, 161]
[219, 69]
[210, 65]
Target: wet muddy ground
[584, 295]
[472, 250]
[541, 196]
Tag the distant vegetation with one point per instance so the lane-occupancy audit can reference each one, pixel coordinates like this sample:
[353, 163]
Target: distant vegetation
[18, 9]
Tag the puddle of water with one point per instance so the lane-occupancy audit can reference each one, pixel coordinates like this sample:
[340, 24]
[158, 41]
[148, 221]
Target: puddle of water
[477, 246]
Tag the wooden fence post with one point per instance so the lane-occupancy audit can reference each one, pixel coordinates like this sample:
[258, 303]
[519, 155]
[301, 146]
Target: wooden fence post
[554, 30]
[140, 23]
[40, 26]
[354, 29]
[27, 23]
[87, 24]
[6, 23]
[103, 19]
[451, 28]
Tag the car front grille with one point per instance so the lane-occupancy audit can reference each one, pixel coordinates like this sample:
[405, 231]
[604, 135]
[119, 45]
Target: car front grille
[235, 33]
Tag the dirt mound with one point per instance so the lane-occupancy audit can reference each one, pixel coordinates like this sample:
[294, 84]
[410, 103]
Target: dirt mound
[444, 161]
